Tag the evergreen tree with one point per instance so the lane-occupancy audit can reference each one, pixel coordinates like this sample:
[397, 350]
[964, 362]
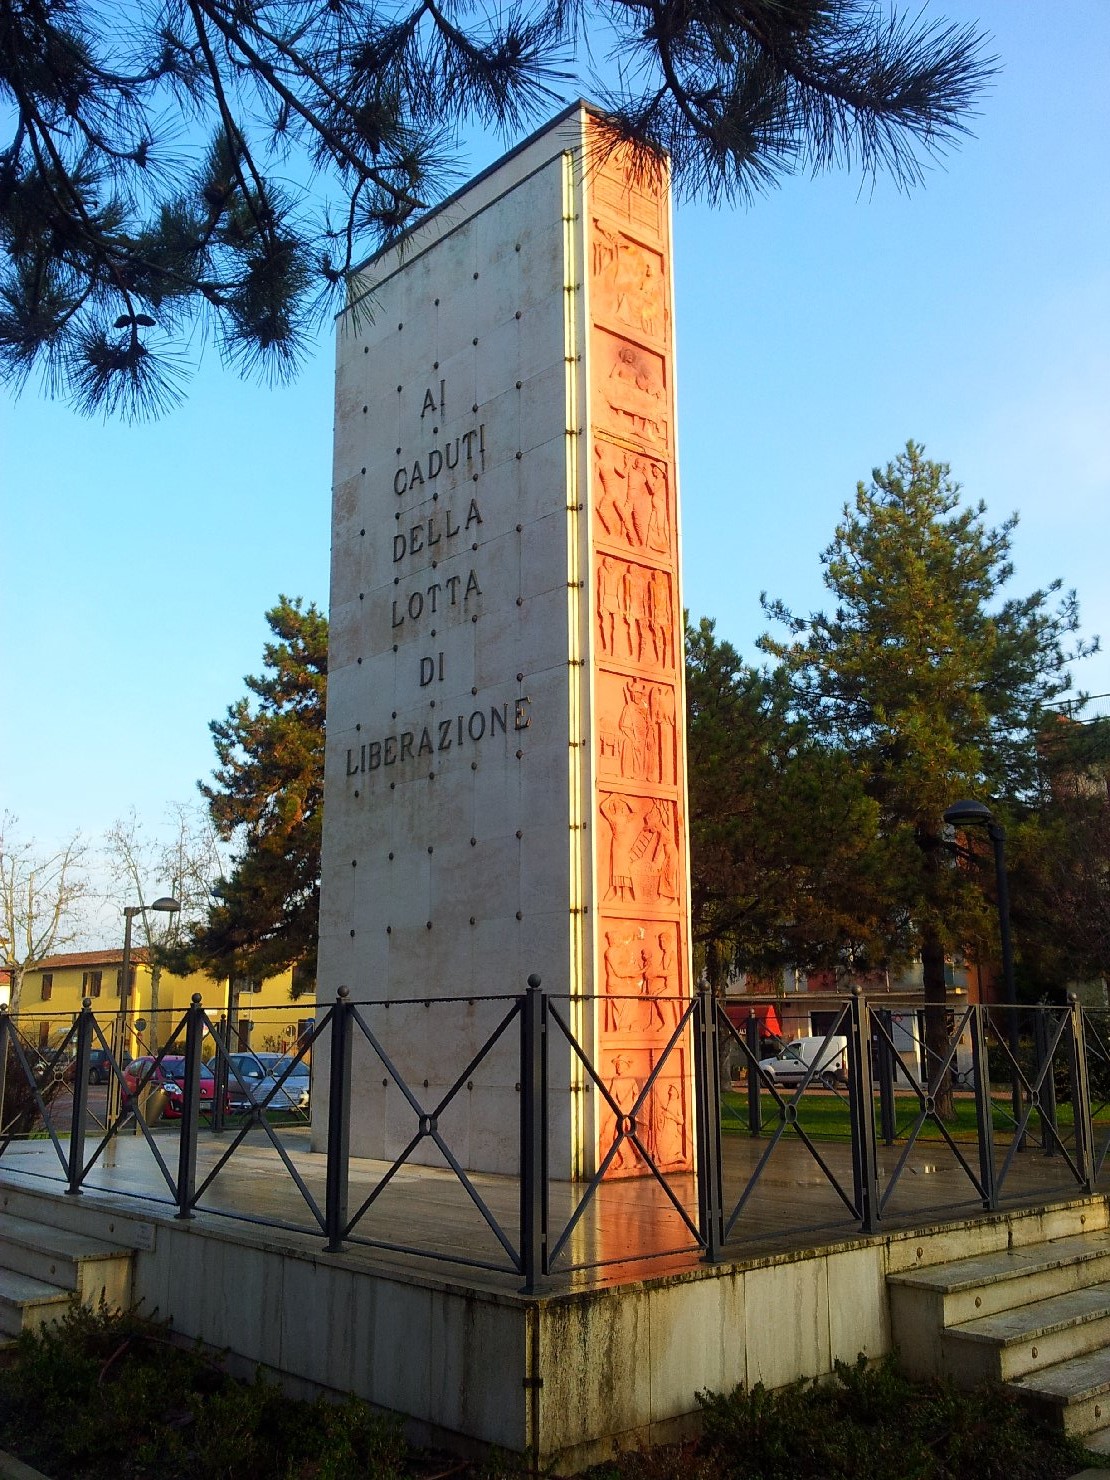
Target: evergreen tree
[787, 862]
[266, 798]
[1060, 863]
[932, 681]
[331, 124]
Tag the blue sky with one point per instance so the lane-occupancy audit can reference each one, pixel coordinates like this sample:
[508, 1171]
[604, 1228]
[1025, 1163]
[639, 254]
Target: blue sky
[817, 330]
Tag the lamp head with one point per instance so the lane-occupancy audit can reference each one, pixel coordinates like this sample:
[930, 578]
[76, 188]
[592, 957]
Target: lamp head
[167, 905]
[968, 814]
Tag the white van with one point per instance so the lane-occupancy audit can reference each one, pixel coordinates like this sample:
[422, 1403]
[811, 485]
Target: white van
[827, 1058]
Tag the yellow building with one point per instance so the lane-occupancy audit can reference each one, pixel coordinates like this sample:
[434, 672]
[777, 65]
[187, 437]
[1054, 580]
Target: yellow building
[264, 1016]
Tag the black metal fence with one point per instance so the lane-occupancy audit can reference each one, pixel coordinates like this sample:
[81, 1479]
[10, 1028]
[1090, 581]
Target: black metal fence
[1010, 1110]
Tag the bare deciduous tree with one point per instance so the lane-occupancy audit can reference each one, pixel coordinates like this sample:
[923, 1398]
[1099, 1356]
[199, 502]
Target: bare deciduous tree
[184, 862]
[41, 893]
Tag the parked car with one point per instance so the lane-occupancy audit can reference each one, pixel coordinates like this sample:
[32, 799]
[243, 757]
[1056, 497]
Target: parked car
[100, 1066]
[260, 1073]
[169, 1077]
[827, 1059]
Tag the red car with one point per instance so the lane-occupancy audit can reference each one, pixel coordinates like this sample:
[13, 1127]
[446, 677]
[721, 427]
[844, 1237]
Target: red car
[169, 1077]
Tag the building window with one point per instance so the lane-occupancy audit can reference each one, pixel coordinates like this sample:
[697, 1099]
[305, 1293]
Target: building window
[119, 979]
[44, 1034]
[47, 985]
[91, 982]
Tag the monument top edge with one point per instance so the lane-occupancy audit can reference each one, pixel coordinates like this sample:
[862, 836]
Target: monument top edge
[575, 111]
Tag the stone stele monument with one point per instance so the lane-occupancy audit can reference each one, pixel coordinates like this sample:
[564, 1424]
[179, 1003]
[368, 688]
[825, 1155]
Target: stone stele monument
[505, 775]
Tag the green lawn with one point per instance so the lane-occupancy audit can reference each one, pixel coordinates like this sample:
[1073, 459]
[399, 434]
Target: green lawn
[823, 1115]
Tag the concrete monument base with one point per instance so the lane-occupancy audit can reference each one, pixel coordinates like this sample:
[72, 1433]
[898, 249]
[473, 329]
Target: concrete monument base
[569, 1377]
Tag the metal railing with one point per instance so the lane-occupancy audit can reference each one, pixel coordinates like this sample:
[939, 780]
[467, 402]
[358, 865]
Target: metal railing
[982, 1127]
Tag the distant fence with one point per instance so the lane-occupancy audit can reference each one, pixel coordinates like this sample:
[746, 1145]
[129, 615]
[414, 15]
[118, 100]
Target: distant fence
[1014, 1109]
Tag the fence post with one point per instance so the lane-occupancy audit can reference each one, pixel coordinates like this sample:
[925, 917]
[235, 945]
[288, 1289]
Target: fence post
[984, 1107]
[888, 1126]
[339, 1123]
[533, 1136]
[1081, 1096]
[755, 1107]
[1047, 1092]
[75, 1161]
[861, 1100]
[220, 1075]
[707, 1106]
[5, 1029]
[190, 1109]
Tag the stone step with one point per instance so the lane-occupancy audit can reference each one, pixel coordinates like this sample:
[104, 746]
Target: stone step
[924, 1302]
[26, 1302]
[1076, 1394]
[1098, 1441]
[1026, 1338]
[95, 1270]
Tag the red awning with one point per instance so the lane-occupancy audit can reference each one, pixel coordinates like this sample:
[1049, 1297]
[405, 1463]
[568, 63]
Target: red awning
[770, 1024]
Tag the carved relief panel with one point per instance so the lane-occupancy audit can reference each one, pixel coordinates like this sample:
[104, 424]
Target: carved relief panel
[643, 857]
[628, 282]
[630, 392]
[661, 1121]
[636, 729]
[630, 190]
[640, 828]
[641, 977]
[632, 500]
[635, 613]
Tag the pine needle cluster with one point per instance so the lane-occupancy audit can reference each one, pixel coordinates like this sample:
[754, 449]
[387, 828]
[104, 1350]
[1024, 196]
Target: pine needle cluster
[175, 170]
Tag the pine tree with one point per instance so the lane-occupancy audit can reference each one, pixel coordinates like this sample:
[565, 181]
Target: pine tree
[933, 682]
[787, 862]
[331, 125]
[266, 799]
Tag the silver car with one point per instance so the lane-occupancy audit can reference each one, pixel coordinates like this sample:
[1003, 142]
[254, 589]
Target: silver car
[272, 1079]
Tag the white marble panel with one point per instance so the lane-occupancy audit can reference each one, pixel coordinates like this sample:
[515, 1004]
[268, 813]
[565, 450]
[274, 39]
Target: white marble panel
[437, 661]
[498, 362]
[786, 1322]
[595, 1361]
[694, 1345]
[543, 478]
[859, 1313]
[543, 413]
[543, 564]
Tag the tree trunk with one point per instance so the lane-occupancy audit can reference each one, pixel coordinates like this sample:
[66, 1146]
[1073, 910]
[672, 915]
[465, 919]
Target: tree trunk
[935, 993]
[15, 989]
[935, 989]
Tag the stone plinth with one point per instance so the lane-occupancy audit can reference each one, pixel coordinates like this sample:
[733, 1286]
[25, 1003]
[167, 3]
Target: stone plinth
[505, 759]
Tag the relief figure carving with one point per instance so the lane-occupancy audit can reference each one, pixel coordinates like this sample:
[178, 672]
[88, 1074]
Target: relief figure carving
[635, 614]
[669, 1137]
[636, 756]
[661, 709]
[660, 966]
[640, 627]
[654, 477]
[629, 187]
[613, 506]
[636, 729]
[628, 281]
[635, 393]
[625, 825]
[623, 963]
[660, 616]
[644, 857]
[624, 1090]
[631, 500]
[612, 605]
[664, 851]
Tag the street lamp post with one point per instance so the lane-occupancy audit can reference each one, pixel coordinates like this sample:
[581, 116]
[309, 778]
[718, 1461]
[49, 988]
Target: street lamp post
[166, 906]
[976, 814]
